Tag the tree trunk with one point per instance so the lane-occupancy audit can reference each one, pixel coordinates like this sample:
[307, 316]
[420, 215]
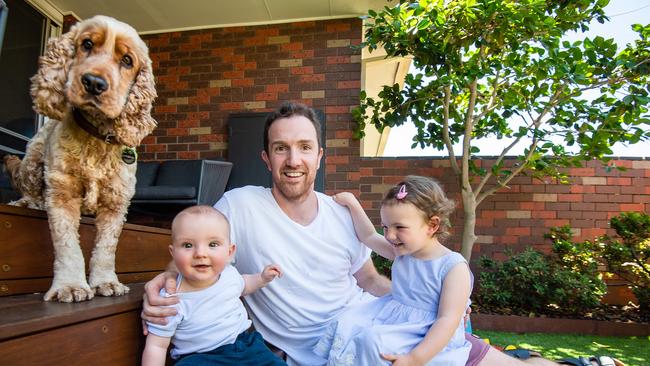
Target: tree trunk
[469, 224]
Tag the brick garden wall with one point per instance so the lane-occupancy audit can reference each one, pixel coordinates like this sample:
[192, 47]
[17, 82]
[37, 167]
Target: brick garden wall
[519, 216]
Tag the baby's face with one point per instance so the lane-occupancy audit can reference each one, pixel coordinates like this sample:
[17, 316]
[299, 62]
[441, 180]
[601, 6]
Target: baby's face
[201, 248]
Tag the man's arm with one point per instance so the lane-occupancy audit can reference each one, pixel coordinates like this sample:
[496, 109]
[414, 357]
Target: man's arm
[371, 281]
[155, 308]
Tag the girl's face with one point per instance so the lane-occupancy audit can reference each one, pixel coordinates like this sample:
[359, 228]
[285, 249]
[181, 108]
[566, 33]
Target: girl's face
[201, 249]
[407, 229]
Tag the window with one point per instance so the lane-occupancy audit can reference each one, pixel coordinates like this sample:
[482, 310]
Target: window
[25, 33]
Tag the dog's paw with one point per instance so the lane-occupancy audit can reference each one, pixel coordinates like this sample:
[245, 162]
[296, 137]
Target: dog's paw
[69, 294]
[111, 289]
[27, 203]
[20, 203]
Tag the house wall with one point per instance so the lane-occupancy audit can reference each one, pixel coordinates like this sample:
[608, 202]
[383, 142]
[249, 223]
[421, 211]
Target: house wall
[203, 76]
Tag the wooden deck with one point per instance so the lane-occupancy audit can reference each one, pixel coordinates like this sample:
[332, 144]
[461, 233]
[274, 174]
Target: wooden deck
[103, 331]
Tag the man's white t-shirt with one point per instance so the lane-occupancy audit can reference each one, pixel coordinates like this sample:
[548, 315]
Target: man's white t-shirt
[318, 262]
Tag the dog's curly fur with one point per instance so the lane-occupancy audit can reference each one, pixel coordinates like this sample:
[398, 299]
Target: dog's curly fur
[69, 172]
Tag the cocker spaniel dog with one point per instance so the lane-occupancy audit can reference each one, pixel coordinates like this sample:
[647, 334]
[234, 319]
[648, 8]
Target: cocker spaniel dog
[96, 86]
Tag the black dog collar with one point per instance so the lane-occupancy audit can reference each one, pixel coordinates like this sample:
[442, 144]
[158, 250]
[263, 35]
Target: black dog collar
[129, 154]
[91, 129]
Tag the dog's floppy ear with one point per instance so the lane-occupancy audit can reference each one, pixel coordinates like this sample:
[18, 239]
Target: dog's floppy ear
[135, 122]
[48, 85]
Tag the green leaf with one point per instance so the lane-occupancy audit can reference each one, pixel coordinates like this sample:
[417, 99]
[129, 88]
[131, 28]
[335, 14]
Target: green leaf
[424, 24]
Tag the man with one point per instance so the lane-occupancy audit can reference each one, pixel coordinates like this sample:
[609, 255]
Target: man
[311, 237]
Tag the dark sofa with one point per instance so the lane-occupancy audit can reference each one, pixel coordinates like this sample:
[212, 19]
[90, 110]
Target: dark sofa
[180, 182]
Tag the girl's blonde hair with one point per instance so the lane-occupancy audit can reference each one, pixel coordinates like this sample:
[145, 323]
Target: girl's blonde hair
[427, 195]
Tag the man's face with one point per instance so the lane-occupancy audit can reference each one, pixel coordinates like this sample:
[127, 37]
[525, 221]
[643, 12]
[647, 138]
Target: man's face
[293, 157]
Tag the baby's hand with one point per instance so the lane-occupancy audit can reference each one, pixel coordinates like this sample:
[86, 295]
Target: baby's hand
[345, 199]
[270, 272]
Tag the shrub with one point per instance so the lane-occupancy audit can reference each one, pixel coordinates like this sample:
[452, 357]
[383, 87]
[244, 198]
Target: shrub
[533, 282]
[382, 264]
[628, 256]
[581, 257]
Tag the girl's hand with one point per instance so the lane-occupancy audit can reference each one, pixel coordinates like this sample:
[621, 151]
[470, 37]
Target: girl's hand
[402, 360]
[345, 199]
[270, 272]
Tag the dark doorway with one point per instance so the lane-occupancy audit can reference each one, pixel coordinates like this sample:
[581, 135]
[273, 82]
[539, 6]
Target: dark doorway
[22, 33]
[245, 144]
[21, 47]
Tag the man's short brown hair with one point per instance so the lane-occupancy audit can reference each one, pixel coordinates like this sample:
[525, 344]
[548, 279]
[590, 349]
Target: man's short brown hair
[286, 110]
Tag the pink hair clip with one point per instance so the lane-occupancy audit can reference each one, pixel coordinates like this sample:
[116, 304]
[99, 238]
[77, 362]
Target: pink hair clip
[402, 192]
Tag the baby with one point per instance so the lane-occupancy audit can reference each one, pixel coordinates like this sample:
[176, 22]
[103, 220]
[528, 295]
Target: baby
[211, 326]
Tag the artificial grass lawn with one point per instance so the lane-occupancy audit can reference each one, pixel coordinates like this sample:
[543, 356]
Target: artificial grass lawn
[633, 351]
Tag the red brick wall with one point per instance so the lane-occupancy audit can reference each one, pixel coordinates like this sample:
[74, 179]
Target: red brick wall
[520, 215]
[203, 76]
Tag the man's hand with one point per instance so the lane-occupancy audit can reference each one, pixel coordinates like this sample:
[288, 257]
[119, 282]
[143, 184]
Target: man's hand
[346, 199]
[371, 281]
[270, 272]
[155, 308]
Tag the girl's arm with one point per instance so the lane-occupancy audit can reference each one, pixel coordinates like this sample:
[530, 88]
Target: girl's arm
[155, 350]
[255, 282]
[363, 226]
[453, 302]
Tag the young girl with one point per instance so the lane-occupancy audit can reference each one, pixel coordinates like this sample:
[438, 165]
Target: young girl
[421, 321]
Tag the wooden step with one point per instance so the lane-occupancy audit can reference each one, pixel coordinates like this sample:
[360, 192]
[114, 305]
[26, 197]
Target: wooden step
[26, 314]
[26, 254]
[102, 331]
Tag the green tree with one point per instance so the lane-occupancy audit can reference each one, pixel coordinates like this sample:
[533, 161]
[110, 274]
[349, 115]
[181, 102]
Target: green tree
[499, 68]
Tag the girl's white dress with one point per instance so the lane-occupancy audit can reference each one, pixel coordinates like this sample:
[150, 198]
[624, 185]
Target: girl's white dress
[397, 322]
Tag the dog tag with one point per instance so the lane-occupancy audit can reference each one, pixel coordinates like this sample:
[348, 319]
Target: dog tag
[129, 155]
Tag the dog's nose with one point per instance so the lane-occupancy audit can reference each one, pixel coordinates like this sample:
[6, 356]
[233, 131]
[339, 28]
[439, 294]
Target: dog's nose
[94, 84]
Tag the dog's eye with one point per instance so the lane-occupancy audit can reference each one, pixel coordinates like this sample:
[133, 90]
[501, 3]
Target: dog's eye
[127, 61]
[87, 44]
